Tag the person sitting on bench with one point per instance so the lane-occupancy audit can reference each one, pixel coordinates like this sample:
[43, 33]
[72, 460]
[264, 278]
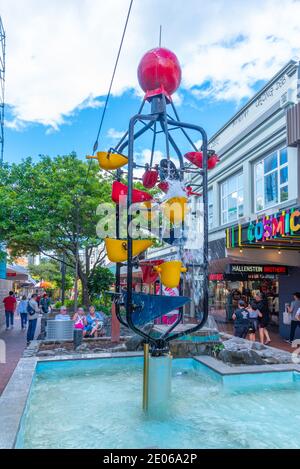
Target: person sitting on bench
[95, 322]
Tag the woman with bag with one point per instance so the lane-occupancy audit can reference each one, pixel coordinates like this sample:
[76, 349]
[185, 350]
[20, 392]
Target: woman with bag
[33, 314]
[22, 311]
[254, 315]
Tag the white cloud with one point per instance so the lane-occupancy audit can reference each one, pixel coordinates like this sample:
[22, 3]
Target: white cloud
[90, 102]
[60, 55]
[177, 98]
[198, 143]
[15, 124]
[115, 134]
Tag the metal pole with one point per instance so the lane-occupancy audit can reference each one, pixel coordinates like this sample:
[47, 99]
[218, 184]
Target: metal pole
[63, 278]
[146, 377]
[77, 259]
[115, 313]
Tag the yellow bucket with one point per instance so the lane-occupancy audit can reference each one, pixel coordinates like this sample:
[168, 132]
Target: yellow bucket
[117, 248]
[175, 209]
[170, 273]
[148, 211]
[109, 161]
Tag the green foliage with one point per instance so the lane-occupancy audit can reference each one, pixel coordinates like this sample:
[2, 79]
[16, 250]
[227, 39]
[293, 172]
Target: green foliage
[46, 206]
[58, 304]
[40, 203]
[100, 281]
[216, 349]
[50, 271]
[69, 303]
[99, 306]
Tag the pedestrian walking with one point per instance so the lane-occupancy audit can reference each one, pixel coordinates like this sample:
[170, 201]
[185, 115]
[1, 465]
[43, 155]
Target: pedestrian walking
[294, 312]
[33, 314]
[10, 304]
[254, 315]
[22, 311]
[264, 318]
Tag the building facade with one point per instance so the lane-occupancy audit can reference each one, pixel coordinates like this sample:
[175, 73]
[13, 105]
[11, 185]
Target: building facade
[254, 200]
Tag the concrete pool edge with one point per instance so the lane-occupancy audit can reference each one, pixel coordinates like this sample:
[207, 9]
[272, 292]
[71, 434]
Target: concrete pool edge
[13, 401]
[221, 368]
[14, 398]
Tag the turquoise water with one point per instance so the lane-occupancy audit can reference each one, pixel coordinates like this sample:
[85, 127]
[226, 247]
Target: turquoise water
[97, 404]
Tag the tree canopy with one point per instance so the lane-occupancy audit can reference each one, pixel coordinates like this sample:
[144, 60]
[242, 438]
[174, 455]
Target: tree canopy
[49, 206]
[50, 270]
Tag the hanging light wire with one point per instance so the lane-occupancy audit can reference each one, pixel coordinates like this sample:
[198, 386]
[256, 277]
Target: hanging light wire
[95, 147]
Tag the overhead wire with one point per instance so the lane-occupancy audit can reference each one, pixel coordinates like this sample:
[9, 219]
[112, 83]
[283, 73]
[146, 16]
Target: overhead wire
[95, 147]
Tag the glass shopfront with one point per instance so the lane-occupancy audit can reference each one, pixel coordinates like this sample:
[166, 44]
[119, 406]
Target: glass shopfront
[225, 290]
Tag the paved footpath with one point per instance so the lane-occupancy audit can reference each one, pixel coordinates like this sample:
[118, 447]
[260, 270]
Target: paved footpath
[15, 341]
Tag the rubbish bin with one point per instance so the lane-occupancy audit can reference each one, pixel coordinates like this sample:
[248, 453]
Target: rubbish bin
[77, 337]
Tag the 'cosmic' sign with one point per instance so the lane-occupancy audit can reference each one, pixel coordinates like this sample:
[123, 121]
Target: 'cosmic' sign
[285, 223]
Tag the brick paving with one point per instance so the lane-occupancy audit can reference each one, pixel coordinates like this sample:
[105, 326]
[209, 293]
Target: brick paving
[15, 341]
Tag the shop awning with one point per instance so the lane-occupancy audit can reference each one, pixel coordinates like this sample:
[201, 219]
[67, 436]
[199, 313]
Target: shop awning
[18, 273]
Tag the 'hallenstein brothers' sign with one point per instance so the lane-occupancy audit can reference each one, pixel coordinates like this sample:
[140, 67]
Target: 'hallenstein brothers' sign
[257, 269]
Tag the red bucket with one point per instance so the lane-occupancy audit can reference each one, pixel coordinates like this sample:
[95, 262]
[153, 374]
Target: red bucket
[163, 186]
[149, 178]
[148, 274]
[119, 190]
[195, 157]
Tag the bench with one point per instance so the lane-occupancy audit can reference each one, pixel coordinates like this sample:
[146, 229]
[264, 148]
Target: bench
[59, 329]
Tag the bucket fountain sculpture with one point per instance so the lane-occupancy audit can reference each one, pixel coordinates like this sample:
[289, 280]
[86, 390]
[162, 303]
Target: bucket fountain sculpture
[159, 75]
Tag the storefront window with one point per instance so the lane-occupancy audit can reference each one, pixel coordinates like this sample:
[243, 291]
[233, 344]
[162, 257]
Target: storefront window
[271, 180]
[232, 198]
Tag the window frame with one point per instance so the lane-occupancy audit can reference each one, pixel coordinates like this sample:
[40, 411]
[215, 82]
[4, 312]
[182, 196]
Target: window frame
[239, 188]
[280, 185]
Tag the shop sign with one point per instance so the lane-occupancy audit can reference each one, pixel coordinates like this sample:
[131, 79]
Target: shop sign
[216, 277]
[11, 274]
[2, 270]
[258, 269]
[2, 264]
[254, 110]
[284, 223]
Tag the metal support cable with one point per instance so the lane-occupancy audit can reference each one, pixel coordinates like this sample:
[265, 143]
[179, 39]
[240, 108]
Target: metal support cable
[95, 147]
[112, 78]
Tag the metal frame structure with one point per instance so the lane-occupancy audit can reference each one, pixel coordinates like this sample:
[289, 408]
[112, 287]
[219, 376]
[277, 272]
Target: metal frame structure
[159, 116]
[2, 88]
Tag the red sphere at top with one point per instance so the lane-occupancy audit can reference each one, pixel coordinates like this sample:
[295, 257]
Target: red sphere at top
[159, 69]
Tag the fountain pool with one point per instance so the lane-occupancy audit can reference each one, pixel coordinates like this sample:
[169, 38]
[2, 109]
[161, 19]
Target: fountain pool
[97, 404]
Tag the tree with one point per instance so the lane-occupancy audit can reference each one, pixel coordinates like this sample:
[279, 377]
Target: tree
[50, 271]
[49, 207]
[100, 280]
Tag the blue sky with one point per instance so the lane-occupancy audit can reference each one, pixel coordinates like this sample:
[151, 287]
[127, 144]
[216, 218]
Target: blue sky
[60, 56]
[79, 133]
